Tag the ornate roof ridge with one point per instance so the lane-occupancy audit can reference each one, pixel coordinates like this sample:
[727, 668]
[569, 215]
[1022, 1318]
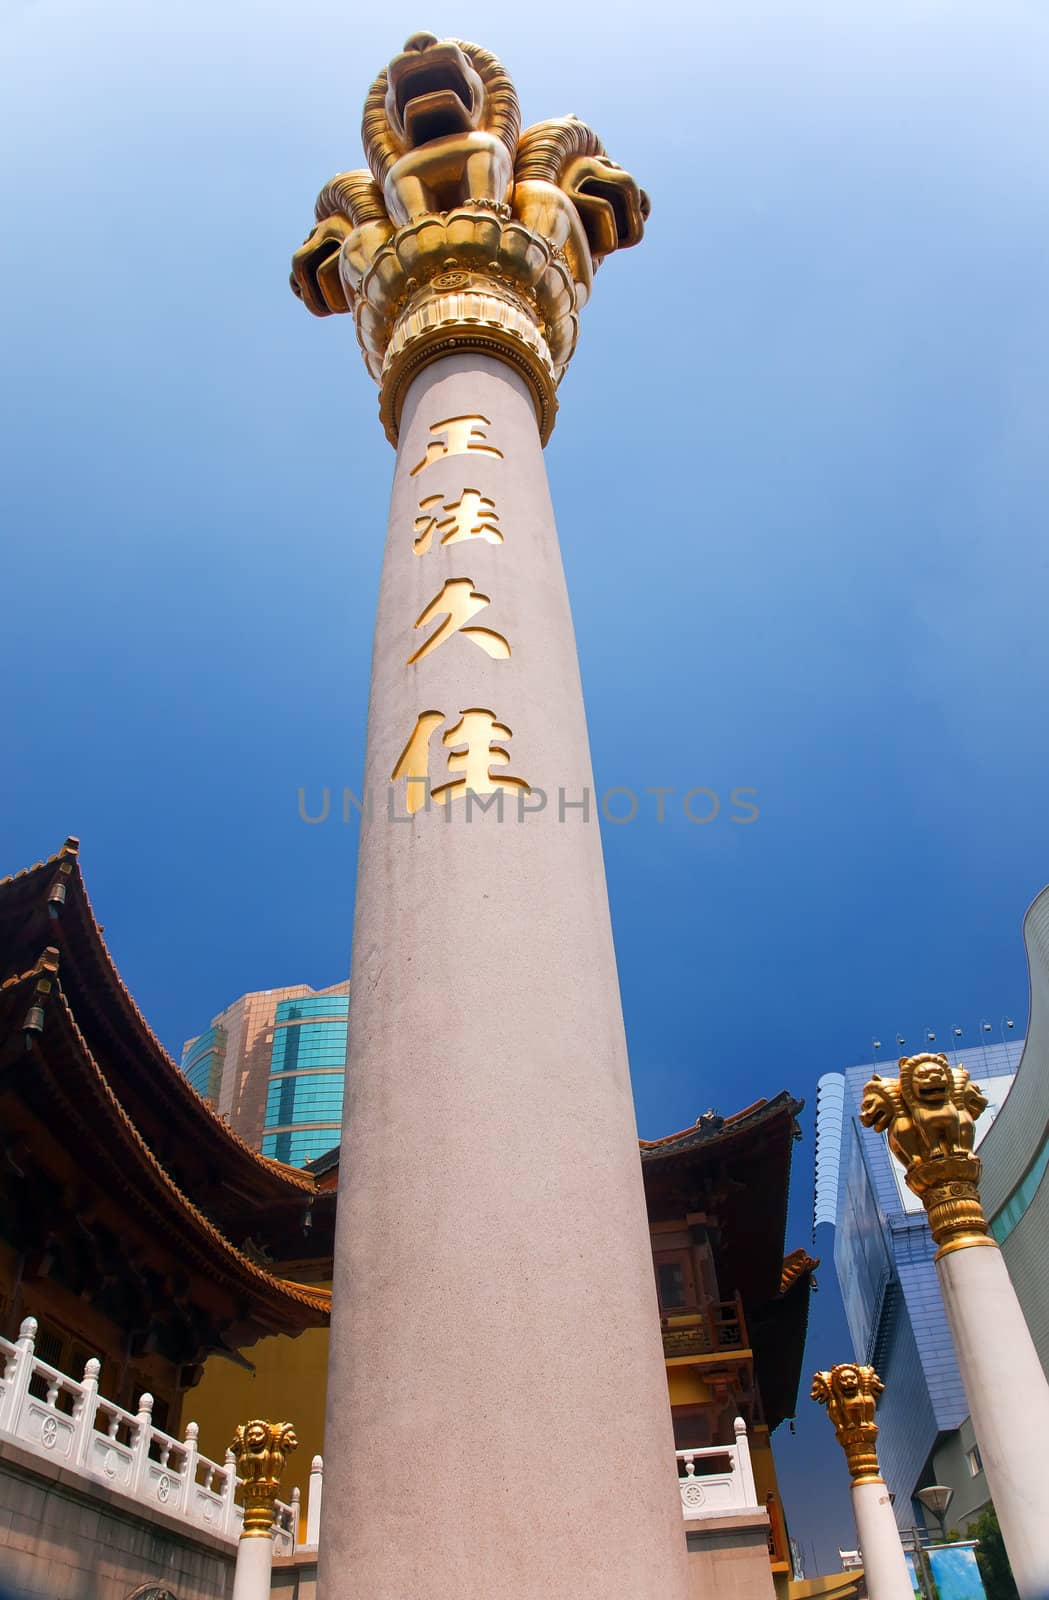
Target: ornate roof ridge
[71, 847]
[797, 1264]
[47, 961]
[706, 1129]
[290, 1175]
[316, 1299]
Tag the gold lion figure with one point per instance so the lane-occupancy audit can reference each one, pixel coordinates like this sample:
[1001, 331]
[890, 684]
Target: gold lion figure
[442, 131]
[567, 189]
[261, 1448]
[929, 1111]
[850, 1394]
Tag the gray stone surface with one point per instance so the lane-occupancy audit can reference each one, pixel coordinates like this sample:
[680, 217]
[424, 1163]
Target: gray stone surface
[498, 1421]
[58, 1542]
[728, 1557]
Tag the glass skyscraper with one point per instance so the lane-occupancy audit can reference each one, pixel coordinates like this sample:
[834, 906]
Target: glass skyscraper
[273, 1065]
[883, 1256]
[307, 1066]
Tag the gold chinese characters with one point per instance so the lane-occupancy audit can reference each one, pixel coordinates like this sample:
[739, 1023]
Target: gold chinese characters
[472, 516]
[473, 746]
[458, 601]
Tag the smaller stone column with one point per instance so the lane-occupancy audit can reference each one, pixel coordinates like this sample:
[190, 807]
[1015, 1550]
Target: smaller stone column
[850, 1394]
[260, 1449]
[929, 1114]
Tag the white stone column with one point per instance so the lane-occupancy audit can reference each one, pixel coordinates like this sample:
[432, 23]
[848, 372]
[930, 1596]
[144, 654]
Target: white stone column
[1008, 1402]
[884, 1563]
[314, 1501]
[929, 1114]
[498, 1420]
[850, 1394]
[253, 1572]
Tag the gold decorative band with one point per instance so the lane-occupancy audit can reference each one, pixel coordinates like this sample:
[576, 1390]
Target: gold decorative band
[861, 1452]
[949, 1189]
[458, 312]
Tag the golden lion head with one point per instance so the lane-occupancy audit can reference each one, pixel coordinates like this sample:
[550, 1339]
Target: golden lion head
[612, 208]
[567, 153]
[931, 1081]
[433, 89]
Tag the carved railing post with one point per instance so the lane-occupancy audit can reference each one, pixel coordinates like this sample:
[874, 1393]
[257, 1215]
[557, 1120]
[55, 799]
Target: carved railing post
[18, 1375]
[260, 1449]
[929, 1114]
[189, 1468]
[850, 1394]
[229, 1493]
[744, 1465]
[313, 1503]
[143, 1440]
[84, 1413]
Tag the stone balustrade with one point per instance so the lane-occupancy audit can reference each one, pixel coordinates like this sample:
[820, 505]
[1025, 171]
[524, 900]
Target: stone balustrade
[727, 1486]
[66, 1420]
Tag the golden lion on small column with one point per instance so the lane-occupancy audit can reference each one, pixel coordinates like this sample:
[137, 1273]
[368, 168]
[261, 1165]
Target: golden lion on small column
[929, 1111]
[850, 1394]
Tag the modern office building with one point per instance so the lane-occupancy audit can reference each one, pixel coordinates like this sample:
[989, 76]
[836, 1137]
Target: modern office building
[883, 1255]
[272, 1064]
[1015, 1154]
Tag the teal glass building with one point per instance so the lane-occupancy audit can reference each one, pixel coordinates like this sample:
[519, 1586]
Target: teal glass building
[272, 1066]
[203, 1060]
[307, 1067]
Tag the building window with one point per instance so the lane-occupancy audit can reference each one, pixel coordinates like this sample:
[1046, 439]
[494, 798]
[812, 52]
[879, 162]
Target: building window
[671, 1284]
[973, 1461]
[675, 1280]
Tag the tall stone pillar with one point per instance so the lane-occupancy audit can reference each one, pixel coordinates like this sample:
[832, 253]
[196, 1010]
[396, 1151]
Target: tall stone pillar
[498, 1420]
[850, 1394]
[929, 1114]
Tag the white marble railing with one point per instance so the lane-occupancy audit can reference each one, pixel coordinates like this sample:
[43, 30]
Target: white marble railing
[728, 1486]
[66, 1420]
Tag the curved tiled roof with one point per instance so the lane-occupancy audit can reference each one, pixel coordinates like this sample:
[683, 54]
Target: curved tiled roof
[234, 1153]
[711, 1129]
[215, 1254]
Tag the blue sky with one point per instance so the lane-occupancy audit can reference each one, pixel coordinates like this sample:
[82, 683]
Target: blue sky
[800, 474]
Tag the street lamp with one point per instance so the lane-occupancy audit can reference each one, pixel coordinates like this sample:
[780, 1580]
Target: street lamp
[937, 1498]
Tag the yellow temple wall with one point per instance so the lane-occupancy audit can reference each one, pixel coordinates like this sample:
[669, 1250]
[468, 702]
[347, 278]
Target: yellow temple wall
[686, 1387]
[288, 1385]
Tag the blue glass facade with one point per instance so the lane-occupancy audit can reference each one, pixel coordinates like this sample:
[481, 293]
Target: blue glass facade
[307, 1068]
[883, 1256]
[202, 1061]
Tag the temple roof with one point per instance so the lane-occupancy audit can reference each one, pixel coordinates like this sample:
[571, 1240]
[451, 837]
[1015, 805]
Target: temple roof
[59, 1103]
[240, 1191]
[735, 1172]
[737, 1169]
[100, 1085]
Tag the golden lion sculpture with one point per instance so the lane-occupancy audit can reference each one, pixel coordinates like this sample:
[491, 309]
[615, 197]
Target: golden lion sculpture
[849, 1392]
[442, 133]
[928, 1112]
